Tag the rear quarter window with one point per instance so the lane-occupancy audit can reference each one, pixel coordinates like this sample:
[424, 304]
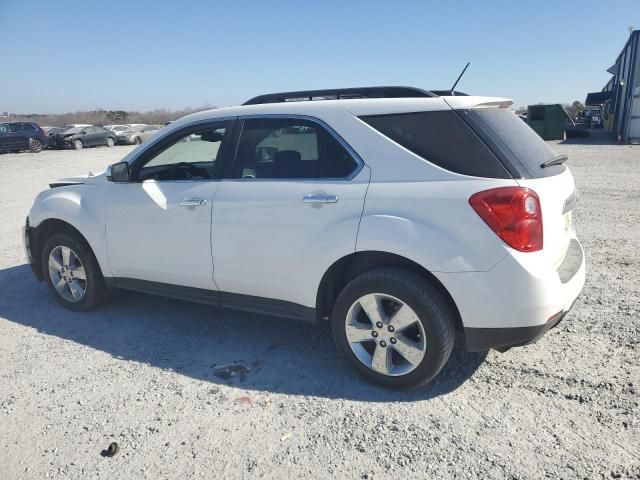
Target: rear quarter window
[441, 138]
[517, 145]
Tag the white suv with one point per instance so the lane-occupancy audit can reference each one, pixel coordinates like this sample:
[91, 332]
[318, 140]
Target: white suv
[397, 215]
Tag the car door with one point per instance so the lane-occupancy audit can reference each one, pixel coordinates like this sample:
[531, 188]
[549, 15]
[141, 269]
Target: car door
[16, 139]
[290, 208]
[101, 135]
[159, 224]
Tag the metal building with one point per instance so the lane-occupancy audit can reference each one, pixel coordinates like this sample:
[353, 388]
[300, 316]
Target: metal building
[619, 100]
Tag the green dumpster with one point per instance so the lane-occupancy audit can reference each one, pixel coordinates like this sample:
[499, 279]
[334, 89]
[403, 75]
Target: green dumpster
[549, 121]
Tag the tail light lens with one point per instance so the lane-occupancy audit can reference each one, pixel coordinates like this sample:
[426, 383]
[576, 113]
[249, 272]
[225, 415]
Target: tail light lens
[514, 214]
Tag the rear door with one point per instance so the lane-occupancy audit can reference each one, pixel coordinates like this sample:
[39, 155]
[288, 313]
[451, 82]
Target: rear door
[289, 207]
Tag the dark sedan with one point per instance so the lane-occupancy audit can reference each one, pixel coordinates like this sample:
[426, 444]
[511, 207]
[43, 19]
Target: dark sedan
[84, 137]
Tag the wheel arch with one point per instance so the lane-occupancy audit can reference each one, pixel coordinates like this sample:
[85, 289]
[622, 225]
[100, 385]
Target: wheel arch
[341, 272]
[45, 230]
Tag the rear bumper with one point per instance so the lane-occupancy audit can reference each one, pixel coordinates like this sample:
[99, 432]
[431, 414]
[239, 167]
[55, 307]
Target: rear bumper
[482, 339]
[517, 301]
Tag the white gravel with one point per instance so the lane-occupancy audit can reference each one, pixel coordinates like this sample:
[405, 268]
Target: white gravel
[140, 371]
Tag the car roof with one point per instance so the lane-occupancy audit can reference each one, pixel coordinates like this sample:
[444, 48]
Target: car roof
[361, 106]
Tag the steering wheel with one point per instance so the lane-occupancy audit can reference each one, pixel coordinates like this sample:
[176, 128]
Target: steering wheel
[187, 171]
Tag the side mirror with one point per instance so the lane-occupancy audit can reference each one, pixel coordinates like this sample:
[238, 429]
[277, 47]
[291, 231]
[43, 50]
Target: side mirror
[84, 132]
[118, 172]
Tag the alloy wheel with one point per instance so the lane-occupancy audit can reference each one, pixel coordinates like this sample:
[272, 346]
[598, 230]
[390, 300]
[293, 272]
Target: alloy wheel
[35, 145]
[67, 274]
[385, 334]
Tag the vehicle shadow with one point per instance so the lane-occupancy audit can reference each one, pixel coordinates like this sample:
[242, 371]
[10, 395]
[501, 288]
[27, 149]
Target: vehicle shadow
[191, 339]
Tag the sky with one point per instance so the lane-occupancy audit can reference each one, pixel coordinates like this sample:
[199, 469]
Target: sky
[61, 56]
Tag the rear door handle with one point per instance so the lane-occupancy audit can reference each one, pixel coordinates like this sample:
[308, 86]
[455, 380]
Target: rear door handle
[193, 202]
[319, 198]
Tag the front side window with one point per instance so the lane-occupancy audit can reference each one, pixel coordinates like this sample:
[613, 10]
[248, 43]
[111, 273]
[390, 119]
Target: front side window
[290, 149]
[194, 156]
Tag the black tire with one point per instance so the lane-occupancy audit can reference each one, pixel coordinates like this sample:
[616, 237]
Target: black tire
[96, 290]
[35, 145]
[434, 312]
[110, 142]
[137, 141]
[77, 144]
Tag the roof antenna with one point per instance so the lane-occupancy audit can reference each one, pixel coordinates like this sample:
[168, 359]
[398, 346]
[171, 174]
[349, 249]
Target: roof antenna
[459, 77]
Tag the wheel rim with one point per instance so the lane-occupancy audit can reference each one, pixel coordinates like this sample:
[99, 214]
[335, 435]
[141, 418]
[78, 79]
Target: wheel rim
[36, 145]
[109, 142]
[77, 144]
[385, 334]
[67, 274]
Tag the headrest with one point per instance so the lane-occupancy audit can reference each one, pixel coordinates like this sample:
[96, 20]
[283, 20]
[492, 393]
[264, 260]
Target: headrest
[286, 164]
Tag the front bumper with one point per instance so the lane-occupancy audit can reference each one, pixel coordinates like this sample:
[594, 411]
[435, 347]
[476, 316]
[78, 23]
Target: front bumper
[28, 235]
[124, 141]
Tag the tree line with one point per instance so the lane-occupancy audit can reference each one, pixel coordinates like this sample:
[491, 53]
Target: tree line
[100, 116]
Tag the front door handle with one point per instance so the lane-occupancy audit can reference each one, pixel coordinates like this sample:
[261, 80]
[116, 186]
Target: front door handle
[193, 202]
[319, 198]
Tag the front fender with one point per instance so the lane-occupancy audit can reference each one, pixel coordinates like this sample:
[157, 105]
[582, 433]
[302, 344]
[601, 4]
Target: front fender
[72, 205]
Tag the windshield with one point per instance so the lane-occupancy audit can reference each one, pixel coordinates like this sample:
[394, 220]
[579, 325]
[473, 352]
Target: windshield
[514, 141]
[73, 130]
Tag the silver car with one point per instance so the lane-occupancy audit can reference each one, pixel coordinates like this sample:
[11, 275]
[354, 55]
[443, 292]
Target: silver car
[137, 134]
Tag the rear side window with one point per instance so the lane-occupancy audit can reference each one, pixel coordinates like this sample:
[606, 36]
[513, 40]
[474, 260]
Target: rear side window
[288, 149]
[443, 139]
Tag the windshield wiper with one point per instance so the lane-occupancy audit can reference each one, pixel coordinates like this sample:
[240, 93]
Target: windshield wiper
[557, 160]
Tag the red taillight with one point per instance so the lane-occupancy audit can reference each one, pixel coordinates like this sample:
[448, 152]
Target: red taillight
[514, 214]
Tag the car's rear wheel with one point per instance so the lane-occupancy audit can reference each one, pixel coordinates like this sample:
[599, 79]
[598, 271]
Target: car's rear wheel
[72, 272]
[394, 327]
[137, 141]
[77, 144]
[110, 142]
[35, 145]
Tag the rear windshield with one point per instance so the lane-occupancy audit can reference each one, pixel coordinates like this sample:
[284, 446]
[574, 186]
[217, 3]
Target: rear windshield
[513, 141]
[443, 139]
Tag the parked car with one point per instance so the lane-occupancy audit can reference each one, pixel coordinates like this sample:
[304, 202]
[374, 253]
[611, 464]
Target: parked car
[467, 224]
[78, 138]
[19, 136]
[51, 133]
[116, 128]
[135, 135]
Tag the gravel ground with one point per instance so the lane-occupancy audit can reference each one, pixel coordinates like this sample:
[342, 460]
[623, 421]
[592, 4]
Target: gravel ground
[141, 371]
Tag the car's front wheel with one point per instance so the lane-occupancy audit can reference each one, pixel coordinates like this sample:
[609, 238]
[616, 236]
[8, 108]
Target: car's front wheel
[72, 272]
[394, 327]
[77, 144]
[110, 142]
[137, 141]
[35, 145]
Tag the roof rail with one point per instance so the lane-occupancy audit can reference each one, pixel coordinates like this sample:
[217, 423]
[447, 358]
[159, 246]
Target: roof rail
[341, 93]
[449, 93]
